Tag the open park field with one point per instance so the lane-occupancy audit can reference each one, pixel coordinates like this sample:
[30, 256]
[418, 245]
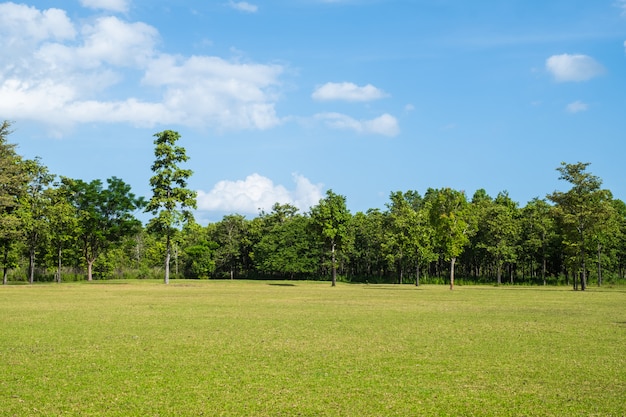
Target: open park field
[251, 348]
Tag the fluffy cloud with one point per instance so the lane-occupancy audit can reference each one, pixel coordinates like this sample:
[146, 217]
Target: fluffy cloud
[385, 125]
[577, 106]
[347, 92]
[111, 5]
[21, 25]
[243, 6]
[258, 193]
[567, 67]
[59, 72]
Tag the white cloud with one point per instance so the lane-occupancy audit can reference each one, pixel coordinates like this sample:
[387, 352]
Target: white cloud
[243, 6]
[577, 106]
[111, 5]
[256, 193]
[347, 92]
[622, 5]
[21, 24]
[566, 67]
[61, 73]
[385, 125]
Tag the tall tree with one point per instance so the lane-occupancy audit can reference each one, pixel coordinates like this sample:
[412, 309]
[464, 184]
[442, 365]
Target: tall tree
[230, 233]
[62, 223]
[537, 232]
[34, 211]
[330, 219]
[367, 237]
[13, 183]
[409, 235]
[450, 217]
[501, 230]
[582, 210]
[105, 216]
[171, 201]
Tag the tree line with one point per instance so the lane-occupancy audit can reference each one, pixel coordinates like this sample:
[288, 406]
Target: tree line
[59, 228]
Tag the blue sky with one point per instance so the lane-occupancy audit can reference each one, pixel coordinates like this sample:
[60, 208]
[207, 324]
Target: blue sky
[280, 100]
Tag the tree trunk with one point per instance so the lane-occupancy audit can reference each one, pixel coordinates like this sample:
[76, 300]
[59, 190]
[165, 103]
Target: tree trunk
[58, 277]
[543, 271]
[599, 265]
[31, 266]
[417, 274]
[90, 269]
[452, 262]
[334, 266]
[167, 260]
[499, 273]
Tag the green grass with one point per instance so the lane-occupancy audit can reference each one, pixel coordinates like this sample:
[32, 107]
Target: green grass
[261, 349]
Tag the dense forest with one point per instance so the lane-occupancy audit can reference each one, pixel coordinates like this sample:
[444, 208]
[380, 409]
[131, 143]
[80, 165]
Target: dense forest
[65, 229]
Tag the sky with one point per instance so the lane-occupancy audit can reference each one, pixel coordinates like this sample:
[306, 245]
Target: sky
[282, 100]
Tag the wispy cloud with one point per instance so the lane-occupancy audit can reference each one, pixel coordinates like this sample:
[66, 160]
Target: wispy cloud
[257, 192]
[347, 92]
[385, 125]
[243, 6]
[577, 107]
[110, 5]
[566, 67]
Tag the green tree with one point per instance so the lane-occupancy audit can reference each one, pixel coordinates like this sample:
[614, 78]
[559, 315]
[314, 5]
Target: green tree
[35, 211]
[171, 201]
[450, 217]
[13, 182]
[285, 248]
[367, 236]
[330, 220]
[619, 208]
[408, 233]
[581, 210]
[501, 229]
[105, 216]
[538, 230]
[197, 251]
[62, 223]
[230, 234]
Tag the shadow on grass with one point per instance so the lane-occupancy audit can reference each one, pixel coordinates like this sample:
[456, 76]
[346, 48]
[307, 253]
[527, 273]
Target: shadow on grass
[282, 285]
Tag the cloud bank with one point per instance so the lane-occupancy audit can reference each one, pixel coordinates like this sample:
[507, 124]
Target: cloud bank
[256, 193]
[61, 72]
[573, 68]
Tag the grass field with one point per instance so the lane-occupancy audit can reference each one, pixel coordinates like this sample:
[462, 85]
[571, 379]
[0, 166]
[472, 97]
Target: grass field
[245, 348]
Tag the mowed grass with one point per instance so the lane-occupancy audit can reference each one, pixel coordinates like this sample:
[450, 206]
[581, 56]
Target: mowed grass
[241, 348]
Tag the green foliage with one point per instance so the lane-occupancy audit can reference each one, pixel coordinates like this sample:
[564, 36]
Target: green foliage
[451, 218]
[286, 250]
[171, 201]
[582, 211]
[330, 220]
[105, 215]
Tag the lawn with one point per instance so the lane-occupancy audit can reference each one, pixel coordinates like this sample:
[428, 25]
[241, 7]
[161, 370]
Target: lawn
[251, 348]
